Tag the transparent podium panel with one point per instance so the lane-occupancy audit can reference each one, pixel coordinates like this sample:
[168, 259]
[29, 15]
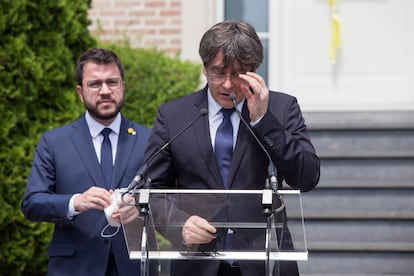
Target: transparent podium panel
[250, 225]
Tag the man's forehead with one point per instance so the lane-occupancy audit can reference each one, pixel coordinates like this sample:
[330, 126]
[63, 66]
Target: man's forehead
[225, 67]
[223, 63]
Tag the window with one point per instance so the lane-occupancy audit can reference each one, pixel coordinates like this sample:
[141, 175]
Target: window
[255, 13]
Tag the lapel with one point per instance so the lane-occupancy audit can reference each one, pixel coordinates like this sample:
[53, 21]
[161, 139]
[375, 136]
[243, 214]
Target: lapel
[82, 142]
[243, 140]
[202, 134]
[124, 150]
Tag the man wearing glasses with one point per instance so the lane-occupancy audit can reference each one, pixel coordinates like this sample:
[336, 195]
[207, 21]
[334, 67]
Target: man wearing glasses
[77, 167]
[218, 151]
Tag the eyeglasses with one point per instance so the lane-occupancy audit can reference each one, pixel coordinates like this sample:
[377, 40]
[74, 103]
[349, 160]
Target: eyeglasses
[96, 85]
[220, 78]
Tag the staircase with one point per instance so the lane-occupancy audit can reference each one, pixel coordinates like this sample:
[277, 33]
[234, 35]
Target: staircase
[359, 220]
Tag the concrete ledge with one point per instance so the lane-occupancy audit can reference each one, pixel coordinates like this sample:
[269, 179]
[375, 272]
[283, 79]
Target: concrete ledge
[359, 120]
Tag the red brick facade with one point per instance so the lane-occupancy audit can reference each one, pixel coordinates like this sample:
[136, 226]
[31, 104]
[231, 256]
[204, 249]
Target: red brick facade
[144, 23]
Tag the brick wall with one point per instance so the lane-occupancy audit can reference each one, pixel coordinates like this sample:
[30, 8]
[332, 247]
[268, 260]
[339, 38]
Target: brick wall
[144, 23]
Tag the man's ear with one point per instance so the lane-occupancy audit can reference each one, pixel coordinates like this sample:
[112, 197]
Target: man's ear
[79, 90]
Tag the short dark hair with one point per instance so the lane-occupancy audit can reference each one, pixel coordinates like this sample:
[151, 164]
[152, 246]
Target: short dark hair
[237, 40]
[97, 56]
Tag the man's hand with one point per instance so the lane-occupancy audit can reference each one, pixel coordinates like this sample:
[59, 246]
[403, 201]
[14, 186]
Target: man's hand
[93, 198]
[256, 93]
[127, 209]
[197, 230]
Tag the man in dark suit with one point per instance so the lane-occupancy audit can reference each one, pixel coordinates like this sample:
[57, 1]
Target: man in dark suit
[68, 185]
[231, 52]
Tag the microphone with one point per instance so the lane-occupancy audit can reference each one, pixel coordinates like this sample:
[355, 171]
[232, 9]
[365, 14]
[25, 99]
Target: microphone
[141, 172]
[271, 184]
[271, 169]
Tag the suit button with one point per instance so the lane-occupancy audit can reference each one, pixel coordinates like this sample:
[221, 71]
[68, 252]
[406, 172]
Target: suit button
[269, 141]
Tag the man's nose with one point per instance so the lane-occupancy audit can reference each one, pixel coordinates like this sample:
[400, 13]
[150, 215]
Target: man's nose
[105, 89]
[228, 82]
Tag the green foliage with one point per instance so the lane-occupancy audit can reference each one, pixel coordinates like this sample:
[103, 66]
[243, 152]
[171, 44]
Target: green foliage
[153, 77]
[40, 42]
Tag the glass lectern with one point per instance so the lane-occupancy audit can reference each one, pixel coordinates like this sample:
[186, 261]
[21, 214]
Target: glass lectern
[268, 226]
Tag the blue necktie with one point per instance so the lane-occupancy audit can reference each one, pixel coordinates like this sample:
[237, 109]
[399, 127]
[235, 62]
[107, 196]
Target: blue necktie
[106, 157]
[224, 154]
[224, 145]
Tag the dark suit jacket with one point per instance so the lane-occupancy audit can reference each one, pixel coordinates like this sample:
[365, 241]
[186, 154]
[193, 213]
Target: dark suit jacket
[189, 162]
[65, 163]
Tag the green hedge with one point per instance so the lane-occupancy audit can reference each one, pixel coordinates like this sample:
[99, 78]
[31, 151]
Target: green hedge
[153, 77]
[40, 42]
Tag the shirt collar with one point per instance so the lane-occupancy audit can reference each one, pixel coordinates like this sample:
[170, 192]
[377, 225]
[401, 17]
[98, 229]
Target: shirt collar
[214, 107]
[95, 127]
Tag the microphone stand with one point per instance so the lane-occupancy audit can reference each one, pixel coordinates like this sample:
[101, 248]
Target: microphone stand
[271, 237]
[143, 203]
[270, 190]
[144, 193]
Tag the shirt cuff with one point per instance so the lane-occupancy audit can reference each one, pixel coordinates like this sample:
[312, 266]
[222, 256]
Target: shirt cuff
[71, 210]
[252, 124]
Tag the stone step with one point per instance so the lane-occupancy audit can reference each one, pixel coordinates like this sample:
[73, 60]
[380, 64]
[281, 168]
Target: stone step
[359, 120]
[364, 143]
[358, 204]
[354, 171]
[332, 274]
[357, 216]
[366, 247]
[359, 219]
[357, 263]
[385, 145]
[365, 185]
[354, 235]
